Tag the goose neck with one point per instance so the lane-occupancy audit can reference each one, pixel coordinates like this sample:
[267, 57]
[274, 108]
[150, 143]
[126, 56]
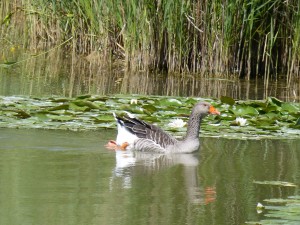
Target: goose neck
[193, 127]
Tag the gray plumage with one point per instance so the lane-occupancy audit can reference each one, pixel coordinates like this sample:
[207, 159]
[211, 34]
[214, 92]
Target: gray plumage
[153, 138]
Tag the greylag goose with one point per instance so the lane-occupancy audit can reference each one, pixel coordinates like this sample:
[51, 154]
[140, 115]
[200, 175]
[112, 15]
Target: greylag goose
[137, 135]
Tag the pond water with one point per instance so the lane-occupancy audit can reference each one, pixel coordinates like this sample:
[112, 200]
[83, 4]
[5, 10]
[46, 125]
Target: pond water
[65, 177]
[61, 75]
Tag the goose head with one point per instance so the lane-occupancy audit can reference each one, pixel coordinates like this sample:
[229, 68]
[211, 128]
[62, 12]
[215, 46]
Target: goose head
[204, 108]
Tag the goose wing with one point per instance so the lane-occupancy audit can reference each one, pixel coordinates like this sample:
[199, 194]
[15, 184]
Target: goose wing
[146, 131]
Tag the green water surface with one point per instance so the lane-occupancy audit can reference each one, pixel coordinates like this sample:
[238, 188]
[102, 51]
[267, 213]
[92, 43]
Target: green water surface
[66, 177]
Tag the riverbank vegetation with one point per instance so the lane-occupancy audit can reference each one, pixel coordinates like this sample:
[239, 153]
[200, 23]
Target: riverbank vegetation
[238, 38]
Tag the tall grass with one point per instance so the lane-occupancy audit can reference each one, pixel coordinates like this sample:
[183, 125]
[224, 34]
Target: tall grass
[255, 38]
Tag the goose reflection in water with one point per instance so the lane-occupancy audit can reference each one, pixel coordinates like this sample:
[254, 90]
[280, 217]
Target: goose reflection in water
[128, 162]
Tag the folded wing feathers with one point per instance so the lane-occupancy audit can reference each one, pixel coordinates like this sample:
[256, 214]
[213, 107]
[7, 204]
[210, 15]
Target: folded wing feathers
[159, 136]
[144, 130]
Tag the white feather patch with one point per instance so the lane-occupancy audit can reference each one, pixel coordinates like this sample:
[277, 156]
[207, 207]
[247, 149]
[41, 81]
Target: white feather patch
[123, 134]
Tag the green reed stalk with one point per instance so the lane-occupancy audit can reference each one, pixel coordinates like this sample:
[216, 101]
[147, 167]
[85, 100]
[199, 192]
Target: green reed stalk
[249, 39]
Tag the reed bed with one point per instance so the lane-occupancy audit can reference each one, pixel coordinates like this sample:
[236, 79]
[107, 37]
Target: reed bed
[240, 38]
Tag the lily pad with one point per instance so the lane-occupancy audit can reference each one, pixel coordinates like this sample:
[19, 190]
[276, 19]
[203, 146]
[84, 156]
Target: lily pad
[244, 111]
[149, 109]
[83, 103]
[227, 100]
[83, 96]
[270, 118]
[60, 117]
[281, 211]
[274, 101]
[170, 102]
[75, 107]
[59, 107]
[289, 107]
[104, 118]
[276, 183]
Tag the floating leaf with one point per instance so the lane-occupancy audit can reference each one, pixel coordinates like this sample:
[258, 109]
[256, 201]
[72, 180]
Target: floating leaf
[272, 116]
[272, 108]
[59, 107]
[98, 98]
[190, 102]
[18, 113]
[245, 110]
[149, 108]
[289, 107]
[274, 101]
[132, 108]
[75, 107]
[59, 99]
[41, 116]
[82, 103]
[265, 119]
[150, 119]
[104, 118]
[227, 100]
[83, 96]
[170, 102]
[279, 200]
[270, 128]
[7, 64]
[60, 117]
[276, 183]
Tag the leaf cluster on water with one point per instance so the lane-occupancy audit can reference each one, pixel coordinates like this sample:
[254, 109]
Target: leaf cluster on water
[279, 210]
[269, 118]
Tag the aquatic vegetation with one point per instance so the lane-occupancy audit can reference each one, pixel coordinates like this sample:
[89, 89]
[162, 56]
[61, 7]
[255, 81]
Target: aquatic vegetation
[276, 183]
[282, 211]
[278, 210]
[270, 118]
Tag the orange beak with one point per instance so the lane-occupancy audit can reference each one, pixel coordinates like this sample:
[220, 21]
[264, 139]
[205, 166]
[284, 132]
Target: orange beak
[213, 110]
